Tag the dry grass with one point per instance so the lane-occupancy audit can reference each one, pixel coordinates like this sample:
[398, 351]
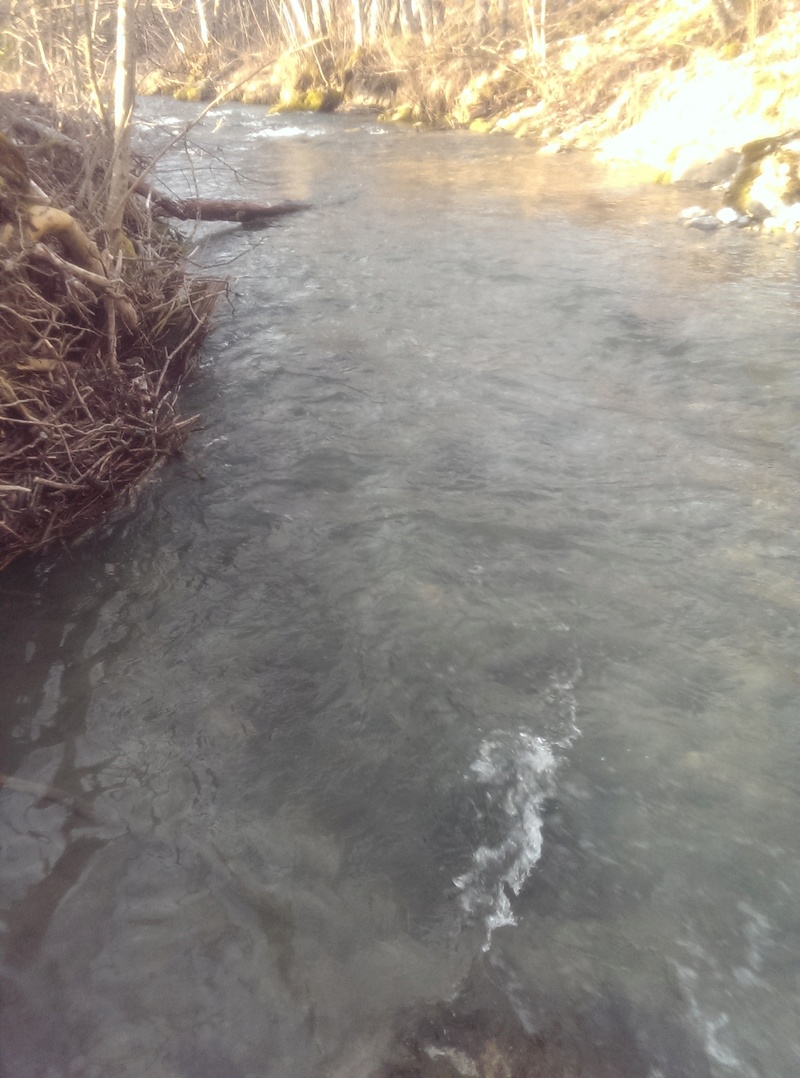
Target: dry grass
[604, 62]
[87, 398]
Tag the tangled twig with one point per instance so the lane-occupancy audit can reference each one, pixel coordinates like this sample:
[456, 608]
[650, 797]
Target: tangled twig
[90, 357]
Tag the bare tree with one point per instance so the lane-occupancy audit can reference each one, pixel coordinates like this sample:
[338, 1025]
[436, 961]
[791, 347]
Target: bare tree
[424, 10]
[202, 22]
[481, 18]
[358, 24]
[124, 94]
[536, 28]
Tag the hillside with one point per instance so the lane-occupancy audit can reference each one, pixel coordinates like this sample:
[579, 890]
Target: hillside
[677, 87]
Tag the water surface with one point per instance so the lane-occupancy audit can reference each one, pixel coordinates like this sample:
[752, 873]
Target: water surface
[454, 671]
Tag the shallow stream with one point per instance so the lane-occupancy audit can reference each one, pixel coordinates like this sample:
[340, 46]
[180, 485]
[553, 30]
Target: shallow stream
[446, 694]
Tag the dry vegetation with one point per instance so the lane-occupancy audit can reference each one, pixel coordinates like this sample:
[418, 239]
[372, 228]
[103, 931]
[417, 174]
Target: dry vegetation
[595, 71]
[573, 61]
[92, 347]
[584, 67]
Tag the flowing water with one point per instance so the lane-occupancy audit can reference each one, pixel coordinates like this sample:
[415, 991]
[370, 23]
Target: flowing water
[446, 693]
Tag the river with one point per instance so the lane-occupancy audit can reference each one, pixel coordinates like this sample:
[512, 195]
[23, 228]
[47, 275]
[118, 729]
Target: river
[437, 714]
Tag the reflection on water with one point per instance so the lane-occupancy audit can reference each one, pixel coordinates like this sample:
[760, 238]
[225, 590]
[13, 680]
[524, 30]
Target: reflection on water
[438, 714]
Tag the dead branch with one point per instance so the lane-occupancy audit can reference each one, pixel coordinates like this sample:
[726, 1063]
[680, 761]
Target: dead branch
[215, 209]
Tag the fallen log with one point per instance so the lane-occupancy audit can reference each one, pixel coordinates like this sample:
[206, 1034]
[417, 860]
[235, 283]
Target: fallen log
[214, 209]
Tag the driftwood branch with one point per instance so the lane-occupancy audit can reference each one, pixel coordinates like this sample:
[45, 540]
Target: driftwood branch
[214, 209]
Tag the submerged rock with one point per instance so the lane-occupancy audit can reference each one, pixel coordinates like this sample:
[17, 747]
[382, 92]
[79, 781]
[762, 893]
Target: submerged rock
[707, 223]
[482, 1034]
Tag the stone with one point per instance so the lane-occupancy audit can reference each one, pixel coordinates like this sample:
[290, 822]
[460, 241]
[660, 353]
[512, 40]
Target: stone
[514, 120]
[706, 224]
[704, 167]
[727, 215]
[691, 212]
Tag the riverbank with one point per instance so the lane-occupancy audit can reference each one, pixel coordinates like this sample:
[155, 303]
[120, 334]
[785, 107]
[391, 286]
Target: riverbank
[95, 339]
[669, 87]
[601, 69]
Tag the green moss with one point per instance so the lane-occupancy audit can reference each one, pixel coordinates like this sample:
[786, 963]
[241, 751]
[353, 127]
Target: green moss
[326, 99]
[189, 92]
[195, 90]
[257, 95]
[482, 125]
[403, 114]
[290, 103]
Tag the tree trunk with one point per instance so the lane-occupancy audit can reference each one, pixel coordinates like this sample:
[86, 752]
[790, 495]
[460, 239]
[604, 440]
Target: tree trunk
[425, 13]
[318, 19]
[202, 22]
[502, 16]
[481, 18]
[39, 38]
[328, 12]
[124, 88]
[378, 20]
[358, 24]
[87, 39]
[301, 19]
[407, 21]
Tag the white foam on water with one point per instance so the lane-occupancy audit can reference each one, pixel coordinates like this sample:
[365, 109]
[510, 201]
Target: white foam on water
[288, 132]
[518, 772]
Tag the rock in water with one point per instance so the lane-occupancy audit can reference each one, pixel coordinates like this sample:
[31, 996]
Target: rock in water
[707, 223]
[727, 215]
